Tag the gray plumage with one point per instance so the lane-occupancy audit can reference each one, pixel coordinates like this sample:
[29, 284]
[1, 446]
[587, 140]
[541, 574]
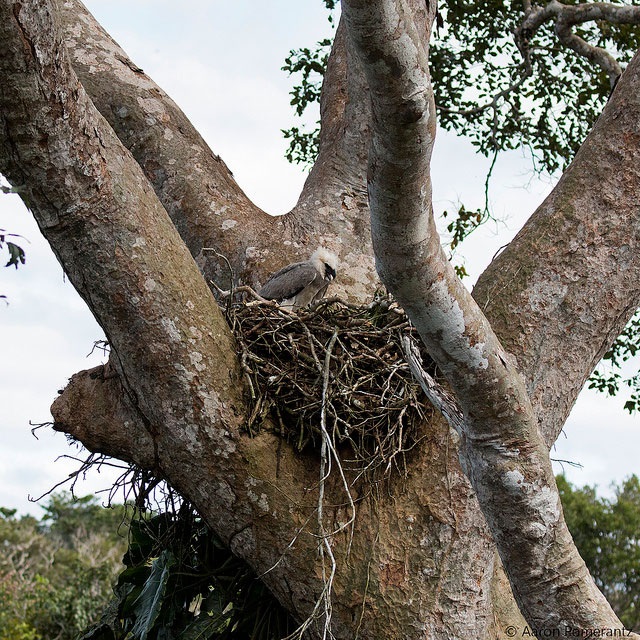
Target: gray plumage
[302, 283]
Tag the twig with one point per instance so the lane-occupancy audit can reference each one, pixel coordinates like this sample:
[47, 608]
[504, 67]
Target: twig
[324, 462]
[245, 288]
[441, 399]
[561, 462]
[229, 267]
[284, 355]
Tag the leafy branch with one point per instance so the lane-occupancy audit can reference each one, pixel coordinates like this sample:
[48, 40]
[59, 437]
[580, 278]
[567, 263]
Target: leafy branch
[609, 377]
[311, 65]
[520, 82]
[17, 255]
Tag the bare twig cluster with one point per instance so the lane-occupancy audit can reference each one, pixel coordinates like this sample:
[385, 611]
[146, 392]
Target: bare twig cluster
[336, 367]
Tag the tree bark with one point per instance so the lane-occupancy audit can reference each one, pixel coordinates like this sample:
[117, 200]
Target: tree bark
[569, 282]
[197, 189]
[194, 185]
[126, 213]
[502, 450]
[125, 258]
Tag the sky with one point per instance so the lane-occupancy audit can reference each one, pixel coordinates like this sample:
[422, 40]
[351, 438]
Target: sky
[221, 62]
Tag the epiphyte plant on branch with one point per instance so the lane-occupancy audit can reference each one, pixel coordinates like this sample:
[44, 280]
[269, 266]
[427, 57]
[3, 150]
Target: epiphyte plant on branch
[470, 540]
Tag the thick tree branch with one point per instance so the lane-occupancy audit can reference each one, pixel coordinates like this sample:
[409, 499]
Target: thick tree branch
[547, 295]
[89, 413]
[194, 185]
[333, 202]
[199, 192]
[506, 457]
[567, 16]
[345, 119]
[110, 232]
[172, 348]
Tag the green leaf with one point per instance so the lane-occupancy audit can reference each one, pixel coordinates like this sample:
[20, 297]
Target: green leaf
[149, 604]
[143, 537]
[16, 255]
[212, 621]
[136, 576]
[608, 377]
[105, 628]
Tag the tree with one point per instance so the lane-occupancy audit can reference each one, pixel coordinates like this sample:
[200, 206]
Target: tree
[606, 533]
[139, 212]
[56, 574]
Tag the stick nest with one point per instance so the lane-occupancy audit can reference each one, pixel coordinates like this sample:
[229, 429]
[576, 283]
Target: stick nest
[348, 355]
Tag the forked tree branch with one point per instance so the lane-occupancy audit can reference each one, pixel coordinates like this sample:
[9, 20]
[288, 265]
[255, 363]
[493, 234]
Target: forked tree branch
[172, 348]
[506, 458]
[205, 203]
[207, 206]
[200, 438]
[183, 406]
[565, 17]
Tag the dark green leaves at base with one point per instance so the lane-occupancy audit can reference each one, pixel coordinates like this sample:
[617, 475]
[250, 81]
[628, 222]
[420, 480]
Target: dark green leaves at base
[148, 604]
[181, 582]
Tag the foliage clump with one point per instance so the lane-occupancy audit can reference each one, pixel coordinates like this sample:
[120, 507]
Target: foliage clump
[338, 367]
[610, 375]
[56, 574]
[606, 534]
[309, 64]
[180, 581]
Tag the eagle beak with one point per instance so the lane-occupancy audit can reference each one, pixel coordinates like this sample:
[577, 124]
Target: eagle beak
[329, 272]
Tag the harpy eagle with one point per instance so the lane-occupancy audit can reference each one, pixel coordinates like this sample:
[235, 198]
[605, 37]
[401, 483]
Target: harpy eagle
[299, 284]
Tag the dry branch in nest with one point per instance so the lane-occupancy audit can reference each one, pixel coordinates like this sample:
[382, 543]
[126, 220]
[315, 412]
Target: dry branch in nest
[374, 410]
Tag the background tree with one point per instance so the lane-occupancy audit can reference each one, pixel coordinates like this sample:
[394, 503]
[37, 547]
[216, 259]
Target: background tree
[57, 573]
[606, 533]
[421, 561]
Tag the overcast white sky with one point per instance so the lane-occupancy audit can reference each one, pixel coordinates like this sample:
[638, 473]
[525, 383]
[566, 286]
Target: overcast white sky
[221, 62]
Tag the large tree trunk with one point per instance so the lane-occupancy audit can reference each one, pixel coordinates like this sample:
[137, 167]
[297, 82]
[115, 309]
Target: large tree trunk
[105, 160]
